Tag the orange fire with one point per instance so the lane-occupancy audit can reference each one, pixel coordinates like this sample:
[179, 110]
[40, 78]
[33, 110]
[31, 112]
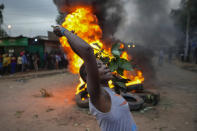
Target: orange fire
[85, 24]
[136, 76]
[125, 56]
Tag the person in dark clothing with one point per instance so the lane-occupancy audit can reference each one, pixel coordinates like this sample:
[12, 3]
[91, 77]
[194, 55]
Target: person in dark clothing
[31, 66]
[35, 61]
[24, 61]
[28, 60]
[46, 55]
[13, 64]
[19, 63]
[38, 59]
[53, 60]
[64, 61]
[5, 63]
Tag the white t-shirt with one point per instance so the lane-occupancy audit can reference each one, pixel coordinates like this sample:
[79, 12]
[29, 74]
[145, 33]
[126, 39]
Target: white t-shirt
[119, 118]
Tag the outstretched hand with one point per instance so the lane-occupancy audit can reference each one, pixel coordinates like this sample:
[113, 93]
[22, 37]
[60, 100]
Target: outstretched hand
[57, 31]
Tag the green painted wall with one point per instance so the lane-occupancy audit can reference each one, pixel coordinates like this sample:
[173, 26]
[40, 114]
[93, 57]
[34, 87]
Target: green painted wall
[14, 42]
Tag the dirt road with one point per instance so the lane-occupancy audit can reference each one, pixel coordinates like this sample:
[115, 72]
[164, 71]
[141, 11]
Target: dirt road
[22, 108]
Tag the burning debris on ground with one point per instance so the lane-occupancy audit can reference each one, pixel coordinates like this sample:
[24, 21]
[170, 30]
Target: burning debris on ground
[83, 22]
[143, 59]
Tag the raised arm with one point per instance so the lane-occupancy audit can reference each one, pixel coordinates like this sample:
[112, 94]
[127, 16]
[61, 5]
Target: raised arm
[85, 51]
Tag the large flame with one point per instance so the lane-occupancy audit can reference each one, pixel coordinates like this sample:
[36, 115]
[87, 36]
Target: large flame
[136, 76]
[85, 24]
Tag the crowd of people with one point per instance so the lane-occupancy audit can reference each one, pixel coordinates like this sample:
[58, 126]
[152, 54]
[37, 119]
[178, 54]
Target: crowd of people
[25, 61]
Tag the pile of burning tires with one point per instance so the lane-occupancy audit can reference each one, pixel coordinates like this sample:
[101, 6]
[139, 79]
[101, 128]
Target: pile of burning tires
[136, 96]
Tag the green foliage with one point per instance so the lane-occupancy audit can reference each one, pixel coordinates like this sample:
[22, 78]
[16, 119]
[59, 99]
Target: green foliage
[113, 65]
[124, 64]
[1, 14]
[180, 15]
[119, 64]
[120, 84]
[2, 31]
[120, 71]
[116, 64]
[115, 50]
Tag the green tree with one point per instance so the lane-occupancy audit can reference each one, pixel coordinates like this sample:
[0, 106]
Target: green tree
[3, 33]
[180, 15]
[186, 20]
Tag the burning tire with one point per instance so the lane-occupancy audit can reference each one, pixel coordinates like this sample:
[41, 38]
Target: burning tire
[80, 102]
[134, 101]
[149, 96]
[135, 87]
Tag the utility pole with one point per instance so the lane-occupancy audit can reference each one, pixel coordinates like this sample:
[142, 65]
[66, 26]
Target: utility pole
[186, 52]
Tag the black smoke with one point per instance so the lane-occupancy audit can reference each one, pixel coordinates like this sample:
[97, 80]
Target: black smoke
[108, 12]
[151, 29]
[152, 25]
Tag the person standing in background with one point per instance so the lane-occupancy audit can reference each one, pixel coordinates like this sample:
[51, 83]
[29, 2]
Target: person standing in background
[13, 64]
[28, 66]
[65, 61]
[46, 55]
[161, 58]
[24, 61]
[35, 62]
[39, 62]
[9, 63]
[31, 65]
[5, 63]
[57, 60]
[19, 63]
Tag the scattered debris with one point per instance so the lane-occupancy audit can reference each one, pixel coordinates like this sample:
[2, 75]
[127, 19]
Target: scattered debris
[155, 119]
[76, 124]
[19, 113]
[87, 129]
[161, 128]
[149, 96]
[44, 93]
[50, 109]
[22, 80]
[167, 104]
[146, 109]
[35, 116]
